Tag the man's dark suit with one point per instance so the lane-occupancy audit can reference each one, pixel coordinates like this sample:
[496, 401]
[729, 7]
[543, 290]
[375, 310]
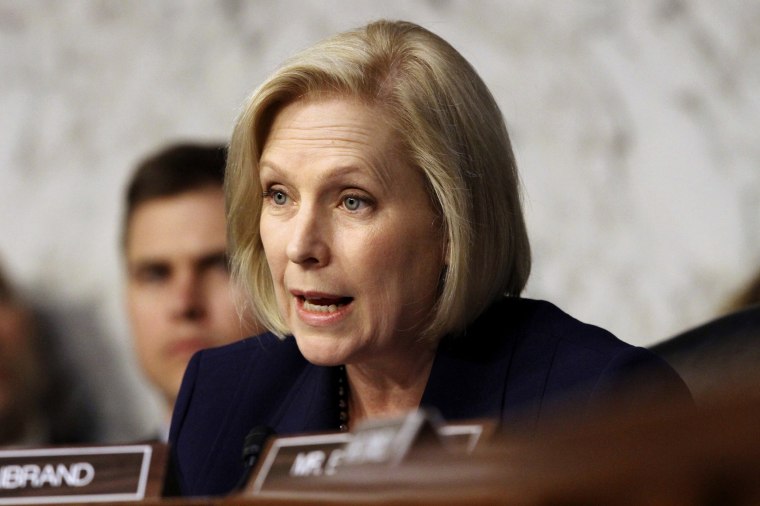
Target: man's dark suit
[520, 362]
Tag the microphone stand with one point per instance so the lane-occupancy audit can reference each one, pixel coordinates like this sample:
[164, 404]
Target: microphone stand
[252, 447]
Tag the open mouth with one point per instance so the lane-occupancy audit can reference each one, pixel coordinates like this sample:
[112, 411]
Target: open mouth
[324, 305]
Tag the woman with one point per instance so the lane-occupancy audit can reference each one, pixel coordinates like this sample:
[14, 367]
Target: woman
[375, 218]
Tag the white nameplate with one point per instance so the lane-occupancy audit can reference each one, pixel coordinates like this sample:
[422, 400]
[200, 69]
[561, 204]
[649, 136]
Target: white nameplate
[316, 462]
[81, 474]
[294, 457]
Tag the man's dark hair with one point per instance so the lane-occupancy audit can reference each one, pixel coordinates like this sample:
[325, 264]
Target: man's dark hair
[172, 170]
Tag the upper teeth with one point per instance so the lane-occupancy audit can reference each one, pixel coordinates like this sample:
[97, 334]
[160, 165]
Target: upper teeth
[310, 306]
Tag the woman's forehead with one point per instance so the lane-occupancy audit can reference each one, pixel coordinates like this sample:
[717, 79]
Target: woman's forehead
[346, 133]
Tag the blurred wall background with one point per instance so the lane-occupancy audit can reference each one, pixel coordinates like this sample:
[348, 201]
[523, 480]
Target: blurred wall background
[635, 125]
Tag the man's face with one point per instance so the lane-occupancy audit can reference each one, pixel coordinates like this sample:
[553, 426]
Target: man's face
[179, 294]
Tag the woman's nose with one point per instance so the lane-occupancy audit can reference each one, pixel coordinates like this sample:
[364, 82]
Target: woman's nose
[307, 244]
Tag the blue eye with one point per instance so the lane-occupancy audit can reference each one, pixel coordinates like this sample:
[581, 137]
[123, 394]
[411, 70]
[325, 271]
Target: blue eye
[352, 203]
[279, 198]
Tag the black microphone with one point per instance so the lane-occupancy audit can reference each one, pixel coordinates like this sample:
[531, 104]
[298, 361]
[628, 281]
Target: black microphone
[253, 444]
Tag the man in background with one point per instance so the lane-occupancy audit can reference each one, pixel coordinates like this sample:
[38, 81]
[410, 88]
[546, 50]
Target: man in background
[179, 294]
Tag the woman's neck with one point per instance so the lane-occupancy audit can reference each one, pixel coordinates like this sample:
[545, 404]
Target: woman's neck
[380, 393]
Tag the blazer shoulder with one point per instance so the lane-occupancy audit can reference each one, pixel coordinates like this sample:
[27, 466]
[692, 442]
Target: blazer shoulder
[266, 357]
[566, 361]
[574, 344]
[541, 325]
[225, 391]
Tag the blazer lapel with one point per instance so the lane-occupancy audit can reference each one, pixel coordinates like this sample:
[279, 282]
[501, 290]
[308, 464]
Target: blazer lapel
[312, 403]
[492, 370]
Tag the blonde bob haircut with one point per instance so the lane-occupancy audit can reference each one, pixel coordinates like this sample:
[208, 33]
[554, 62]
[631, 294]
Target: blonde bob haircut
[449, 127]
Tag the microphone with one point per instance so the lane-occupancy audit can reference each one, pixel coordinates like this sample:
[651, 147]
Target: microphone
[253, 444]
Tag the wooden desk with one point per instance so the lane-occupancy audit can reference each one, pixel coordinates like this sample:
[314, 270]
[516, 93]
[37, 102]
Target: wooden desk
[659, 455]
[664, 456]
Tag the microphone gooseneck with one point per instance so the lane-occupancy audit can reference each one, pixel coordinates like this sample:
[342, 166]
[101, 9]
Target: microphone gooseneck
[253, 445]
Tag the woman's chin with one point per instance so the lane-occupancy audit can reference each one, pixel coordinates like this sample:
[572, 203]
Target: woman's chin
[320, 351]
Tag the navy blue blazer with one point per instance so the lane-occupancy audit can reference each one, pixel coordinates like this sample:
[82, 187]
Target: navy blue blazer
[520, 361]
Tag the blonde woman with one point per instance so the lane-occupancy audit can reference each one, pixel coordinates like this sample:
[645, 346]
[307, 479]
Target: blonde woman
[375, 219]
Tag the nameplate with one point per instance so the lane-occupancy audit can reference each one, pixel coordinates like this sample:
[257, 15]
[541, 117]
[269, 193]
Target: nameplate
[390, 440]
[290, 458]
[465, 436]
[291, 463]
[81, 474]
